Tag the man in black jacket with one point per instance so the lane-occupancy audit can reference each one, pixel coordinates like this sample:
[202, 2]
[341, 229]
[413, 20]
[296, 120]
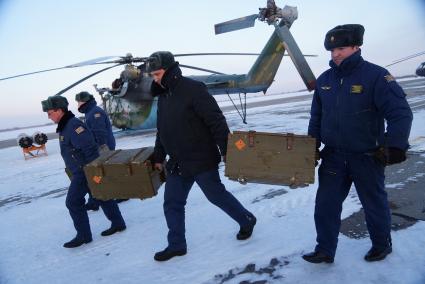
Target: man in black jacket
[190, 127]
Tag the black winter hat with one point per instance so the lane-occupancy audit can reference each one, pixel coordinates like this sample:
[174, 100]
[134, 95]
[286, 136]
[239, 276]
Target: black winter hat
[344, 35]
[54, 102]
[83, 97]
[159, 60]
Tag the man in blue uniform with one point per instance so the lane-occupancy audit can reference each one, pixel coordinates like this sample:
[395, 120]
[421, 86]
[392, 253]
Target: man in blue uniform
[351, 103]
[193, 132]
[96, 119]
[78, 148]
[98, 123]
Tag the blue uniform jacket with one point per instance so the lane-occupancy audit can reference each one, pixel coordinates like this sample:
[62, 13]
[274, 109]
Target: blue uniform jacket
[77, 144]
[98, 123]
[351, 102]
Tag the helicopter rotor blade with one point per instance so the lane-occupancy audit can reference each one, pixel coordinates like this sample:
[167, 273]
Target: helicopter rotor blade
[236, 24]
[230, 53]
[296, 55]
[80, 64]
[214, 53]
[201, 69]
[406, 58]
[85, 78]
[90, 62]
[124, 60]
[31, 73]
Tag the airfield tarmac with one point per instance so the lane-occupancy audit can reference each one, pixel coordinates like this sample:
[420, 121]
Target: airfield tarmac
[404, 182]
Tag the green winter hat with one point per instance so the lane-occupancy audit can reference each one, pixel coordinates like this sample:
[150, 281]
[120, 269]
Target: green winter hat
[83, 97]
[54, 102]
[159, 60]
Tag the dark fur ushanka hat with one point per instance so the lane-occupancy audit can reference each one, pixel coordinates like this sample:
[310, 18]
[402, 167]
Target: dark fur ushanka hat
[344, 35]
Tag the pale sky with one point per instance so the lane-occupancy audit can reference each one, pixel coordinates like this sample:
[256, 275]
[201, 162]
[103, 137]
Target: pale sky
[44, 34]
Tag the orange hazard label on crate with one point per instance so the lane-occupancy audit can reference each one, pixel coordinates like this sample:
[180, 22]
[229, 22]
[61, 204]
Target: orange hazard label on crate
[240, 144]
[97, 179]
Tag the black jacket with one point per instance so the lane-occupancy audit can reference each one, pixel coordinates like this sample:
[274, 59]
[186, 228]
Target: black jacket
[190, 124]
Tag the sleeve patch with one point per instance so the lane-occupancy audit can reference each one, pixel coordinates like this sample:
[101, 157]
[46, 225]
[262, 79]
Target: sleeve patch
[79, 130]
[96, 115]
[389, 78]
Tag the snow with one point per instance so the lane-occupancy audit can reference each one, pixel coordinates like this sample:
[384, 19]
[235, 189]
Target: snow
[4, 135]
[35, 223]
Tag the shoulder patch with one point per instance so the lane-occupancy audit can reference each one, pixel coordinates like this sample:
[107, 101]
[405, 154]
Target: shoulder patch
[326, 88]
[96, 115]
[79, 130]
[389, 78]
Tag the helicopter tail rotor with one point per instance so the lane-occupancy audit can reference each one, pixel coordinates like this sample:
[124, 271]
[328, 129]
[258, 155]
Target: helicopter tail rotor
[236, 24]
[282, 20]
[271, 14]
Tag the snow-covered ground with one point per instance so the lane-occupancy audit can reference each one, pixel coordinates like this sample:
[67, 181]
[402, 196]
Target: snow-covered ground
[34, 224]
[4, 135]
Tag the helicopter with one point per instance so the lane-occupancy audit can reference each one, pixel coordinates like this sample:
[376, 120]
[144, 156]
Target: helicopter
[129, 102]
[420, 70]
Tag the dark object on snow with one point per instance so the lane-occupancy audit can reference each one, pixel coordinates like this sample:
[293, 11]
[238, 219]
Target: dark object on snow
[24, 141]
[271, 158]
[39, 138]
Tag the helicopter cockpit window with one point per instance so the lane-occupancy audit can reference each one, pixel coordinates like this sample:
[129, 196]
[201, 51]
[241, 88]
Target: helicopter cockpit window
[420, 71]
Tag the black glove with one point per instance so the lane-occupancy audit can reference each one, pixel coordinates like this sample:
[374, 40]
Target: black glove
[395, 155]
[389, 156]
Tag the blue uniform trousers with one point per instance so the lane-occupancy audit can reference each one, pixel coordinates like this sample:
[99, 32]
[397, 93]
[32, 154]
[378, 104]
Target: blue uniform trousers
[176, 192]
[336, 174]
[75, 204]
[91, 201]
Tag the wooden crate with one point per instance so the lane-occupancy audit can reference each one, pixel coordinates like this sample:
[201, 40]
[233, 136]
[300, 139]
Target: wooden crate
[270, 158]
[123, 174]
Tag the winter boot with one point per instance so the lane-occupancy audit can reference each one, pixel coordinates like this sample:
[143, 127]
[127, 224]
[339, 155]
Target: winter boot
[76, 242]
[167, 254]
[318, 257]
[246, 231]
[112, 230]
[375, 254]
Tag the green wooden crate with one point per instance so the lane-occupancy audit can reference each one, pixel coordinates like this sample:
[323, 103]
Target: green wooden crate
[123, 174]
[270, 158]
